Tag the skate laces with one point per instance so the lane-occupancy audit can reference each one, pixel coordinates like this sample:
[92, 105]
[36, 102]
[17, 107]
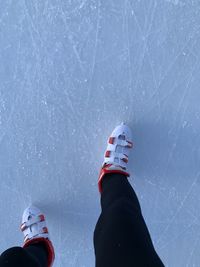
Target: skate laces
[34, 226]
[119, 149]
[117, 155]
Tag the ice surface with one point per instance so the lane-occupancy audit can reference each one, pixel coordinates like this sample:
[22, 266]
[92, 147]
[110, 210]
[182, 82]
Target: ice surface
[70, 71]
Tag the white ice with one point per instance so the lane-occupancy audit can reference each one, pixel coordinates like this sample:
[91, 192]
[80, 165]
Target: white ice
[70, 71]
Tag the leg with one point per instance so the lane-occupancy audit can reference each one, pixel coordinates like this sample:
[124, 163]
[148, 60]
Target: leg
[121, 237]
[32, 256]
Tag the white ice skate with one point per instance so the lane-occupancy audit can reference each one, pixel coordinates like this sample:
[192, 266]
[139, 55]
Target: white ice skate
[117, 152]
[35, 230]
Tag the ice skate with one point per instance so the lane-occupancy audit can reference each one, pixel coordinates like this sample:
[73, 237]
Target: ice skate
[117, 153]
[35, 231]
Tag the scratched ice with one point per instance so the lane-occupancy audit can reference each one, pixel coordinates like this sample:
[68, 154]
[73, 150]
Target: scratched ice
[70, 71]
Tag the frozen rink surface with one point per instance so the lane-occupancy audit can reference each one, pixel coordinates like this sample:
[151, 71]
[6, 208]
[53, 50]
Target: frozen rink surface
[70, 71]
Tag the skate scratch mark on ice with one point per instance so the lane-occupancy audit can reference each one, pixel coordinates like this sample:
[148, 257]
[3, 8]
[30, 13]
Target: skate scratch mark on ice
[178, 223]
[70, 39]
[163, 99]
[149, 27]
[45, 10]
[175, 59]
[179, 207]
[155, 82]
[77, 8]
[18, 50]
[78, 57]
[93, 63]
[193, 250]
[144, 46]
[119, 53]
[181, 234]
[178, 132]
[35, 29]
[142, 56]
[78, 60]
[5, 13]
[144, 36]
[77, 252]
[128, 48]
[181, 103]
[86, 36]
[9, 119]
[148, 55]
[135, 17]
[69, 104]
[197, 219]
[168, 71]
[38, 73]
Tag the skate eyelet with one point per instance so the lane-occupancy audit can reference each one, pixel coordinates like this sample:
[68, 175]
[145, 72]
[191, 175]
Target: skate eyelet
[45, 230]
[23, 227]
[125, 160]
[107, 154]
[111, 140]
[41, 217]
[130, 144]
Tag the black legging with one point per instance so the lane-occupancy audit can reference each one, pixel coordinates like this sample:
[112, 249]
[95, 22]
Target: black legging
[121, 238]
[31, 256]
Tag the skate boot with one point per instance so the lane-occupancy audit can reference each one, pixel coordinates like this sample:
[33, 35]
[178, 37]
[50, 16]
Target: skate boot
[117, 152]
[35, 231]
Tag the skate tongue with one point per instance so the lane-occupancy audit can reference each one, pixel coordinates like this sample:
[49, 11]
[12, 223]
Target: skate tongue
[34, 227]
[119, 149]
